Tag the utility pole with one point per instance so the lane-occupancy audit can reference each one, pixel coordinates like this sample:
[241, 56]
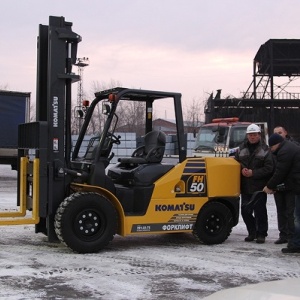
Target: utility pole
[81, 63]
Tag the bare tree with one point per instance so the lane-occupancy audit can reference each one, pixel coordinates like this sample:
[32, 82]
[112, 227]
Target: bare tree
[131, 114]
[194, 115]
[133, 117]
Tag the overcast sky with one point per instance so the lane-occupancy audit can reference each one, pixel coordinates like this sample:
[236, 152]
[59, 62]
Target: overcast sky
[189, 46]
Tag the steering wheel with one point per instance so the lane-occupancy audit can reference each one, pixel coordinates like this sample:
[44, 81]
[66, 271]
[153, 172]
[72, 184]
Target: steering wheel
[114, 139]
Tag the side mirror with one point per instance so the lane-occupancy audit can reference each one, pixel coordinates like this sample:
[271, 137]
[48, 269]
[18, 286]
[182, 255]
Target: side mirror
[222, 131]
[105, 108]
[79, 113]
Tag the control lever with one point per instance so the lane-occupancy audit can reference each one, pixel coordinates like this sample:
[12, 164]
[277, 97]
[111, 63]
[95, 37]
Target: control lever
[72, 172]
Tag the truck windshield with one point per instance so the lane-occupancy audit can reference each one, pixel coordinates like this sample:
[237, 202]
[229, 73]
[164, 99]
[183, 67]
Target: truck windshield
[237, 136]
[209, 136]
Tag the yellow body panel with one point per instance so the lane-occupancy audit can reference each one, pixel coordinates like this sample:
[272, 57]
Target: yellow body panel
[179, 195]
[223, 177]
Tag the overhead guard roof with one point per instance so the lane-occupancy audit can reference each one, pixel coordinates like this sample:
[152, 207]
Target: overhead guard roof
[136, 94]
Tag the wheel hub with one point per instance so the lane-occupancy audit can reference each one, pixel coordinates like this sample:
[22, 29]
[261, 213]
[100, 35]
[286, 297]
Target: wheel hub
[213, 224]
[88, 223]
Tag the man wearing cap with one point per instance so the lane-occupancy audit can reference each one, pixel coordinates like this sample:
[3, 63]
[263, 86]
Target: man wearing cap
[256, 168]
[287, 171]
[285, 201]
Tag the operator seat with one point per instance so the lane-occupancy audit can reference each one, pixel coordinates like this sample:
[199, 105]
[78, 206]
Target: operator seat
[144, 166]
[151, 152]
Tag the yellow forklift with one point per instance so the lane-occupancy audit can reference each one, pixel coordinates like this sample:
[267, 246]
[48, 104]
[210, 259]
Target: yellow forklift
[81, 198]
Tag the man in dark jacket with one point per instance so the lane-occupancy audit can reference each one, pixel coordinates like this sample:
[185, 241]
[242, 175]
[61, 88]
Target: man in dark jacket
[287, 171]
[283, 132]
[285, 201]
[256, 168]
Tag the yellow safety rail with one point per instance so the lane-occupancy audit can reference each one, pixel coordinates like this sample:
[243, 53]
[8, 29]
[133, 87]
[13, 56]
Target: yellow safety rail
[19, 217]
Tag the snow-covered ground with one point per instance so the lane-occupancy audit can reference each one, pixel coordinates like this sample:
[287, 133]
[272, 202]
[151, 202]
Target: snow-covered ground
[170, 266]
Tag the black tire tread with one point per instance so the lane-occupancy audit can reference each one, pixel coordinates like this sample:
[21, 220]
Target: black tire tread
[63, 209]
[206, 239]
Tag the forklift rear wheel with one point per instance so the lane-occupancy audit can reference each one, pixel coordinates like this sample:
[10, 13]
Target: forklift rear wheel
[214, 223]
[86, 222]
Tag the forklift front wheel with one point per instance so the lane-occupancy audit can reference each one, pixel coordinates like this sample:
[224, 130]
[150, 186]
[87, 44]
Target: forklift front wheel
[214, 223]
[86, 222]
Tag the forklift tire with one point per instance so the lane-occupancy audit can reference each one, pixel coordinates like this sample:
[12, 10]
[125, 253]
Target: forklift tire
[86, 222]
[214, 223]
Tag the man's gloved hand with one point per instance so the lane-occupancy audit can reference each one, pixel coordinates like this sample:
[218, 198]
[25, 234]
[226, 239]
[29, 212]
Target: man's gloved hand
[267, 190]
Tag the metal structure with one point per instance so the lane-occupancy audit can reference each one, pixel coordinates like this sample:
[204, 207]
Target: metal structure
[81, 63]
[273, 94]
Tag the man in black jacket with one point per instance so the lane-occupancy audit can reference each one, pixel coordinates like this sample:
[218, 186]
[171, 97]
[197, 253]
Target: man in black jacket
[256, 169]
[284, 133]
[285, 201]
[287, 171]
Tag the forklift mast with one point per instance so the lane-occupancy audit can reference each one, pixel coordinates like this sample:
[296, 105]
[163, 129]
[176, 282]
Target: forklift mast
[50, 136]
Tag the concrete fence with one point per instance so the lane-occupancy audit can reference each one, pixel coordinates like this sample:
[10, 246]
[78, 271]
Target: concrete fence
[129, 142]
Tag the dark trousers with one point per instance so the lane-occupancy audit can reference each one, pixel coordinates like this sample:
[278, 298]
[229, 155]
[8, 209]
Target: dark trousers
[294, 242]
[255, 214]
[285, 204]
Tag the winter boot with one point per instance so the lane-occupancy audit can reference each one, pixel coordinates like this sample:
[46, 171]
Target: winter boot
[251, 237]
[260, 239]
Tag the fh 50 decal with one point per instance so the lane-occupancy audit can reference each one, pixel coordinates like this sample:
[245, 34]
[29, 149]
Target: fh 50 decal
[196, 184]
